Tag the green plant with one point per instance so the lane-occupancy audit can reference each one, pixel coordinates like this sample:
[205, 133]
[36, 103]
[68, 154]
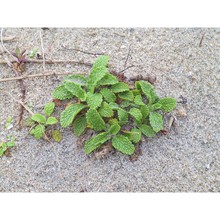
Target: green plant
[40, 122]
[119, 113]
[4, 146]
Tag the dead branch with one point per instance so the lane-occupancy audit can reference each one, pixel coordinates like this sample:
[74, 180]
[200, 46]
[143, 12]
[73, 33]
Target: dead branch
[42, 48]
[38, 75]
[52, 62]
[82, 51]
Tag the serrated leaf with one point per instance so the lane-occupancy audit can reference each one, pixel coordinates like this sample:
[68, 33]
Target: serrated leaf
[125, 104]
[155, 107]
[38, 118]
[138, 100]
[68, 115]
[38, 131]
[62, 93]
[76, 90]
[56, 135]
[29, 122]
[134, 135]
[108, 79]
[108, 95]
[95, 76]
[114, 129]
[94, 120]
[147, 130]
[77, 79]
[136, 92]
[105, 110]
[128, 95]
[49, 108]
[122, 116]
[144, 111]
[114, 105]
[167, 104]
[136, 113]
[119, 87]
[113, 121]
[96, 142]
[51, 121]
[148, 90]
[101, 61]
[94, 100]
[156, 121]
[123, 144]
[79, 125]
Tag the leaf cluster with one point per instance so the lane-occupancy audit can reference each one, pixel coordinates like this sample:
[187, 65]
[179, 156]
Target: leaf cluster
[119, 113]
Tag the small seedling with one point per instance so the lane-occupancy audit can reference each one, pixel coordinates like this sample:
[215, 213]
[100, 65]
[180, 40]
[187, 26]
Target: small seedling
[33, 53]
[4, 146]
[40, 122]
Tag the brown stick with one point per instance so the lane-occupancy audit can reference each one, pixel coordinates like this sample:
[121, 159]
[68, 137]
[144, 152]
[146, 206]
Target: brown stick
[53, 62]
[200, 43]
[38, 75]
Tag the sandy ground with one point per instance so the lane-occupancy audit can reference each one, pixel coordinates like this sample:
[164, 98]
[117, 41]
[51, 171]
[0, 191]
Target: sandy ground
[186, 160]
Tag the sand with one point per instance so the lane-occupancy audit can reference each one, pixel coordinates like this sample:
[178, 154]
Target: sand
[185, 160]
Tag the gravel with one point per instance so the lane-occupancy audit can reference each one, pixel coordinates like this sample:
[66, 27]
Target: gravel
[185, 160]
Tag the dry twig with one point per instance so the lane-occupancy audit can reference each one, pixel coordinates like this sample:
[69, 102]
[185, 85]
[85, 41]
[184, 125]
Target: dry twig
[42, 48]
[38, 75]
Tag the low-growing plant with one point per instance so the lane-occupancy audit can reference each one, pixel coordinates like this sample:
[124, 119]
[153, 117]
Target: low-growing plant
[39, 123]
[118, 112]
[5, 145]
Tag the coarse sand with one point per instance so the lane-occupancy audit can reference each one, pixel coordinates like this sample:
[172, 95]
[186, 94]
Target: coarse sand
[185, 160]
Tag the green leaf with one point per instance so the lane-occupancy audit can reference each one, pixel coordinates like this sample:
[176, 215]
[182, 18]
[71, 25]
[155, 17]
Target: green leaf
[113, 105]
[51, 121]
[113, 121]
[10, 144]
[62, 93]
[108, 79]
[156, 121]
[105, 110]
[101, 61]
[148, 90]
[125, 104]
[167, 104]
[76, 90]
[155, 107]
[144, 111]
[94, 120]
[95, 76]
[79, 125]
[122, 116]
[134, 135]
[123, 144]
[108, 95]
[136, 113]
[33, 53]
[3, 148]
[136, 92]
[128, 95]
[147, 130]
[38, 131]
[96, 142]
[138, 100]
[56, 135]
[76, 78]
[119, 87]
[114, 129]
[39, 118]
[68, 115]
[49, 108]
[94, 100]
